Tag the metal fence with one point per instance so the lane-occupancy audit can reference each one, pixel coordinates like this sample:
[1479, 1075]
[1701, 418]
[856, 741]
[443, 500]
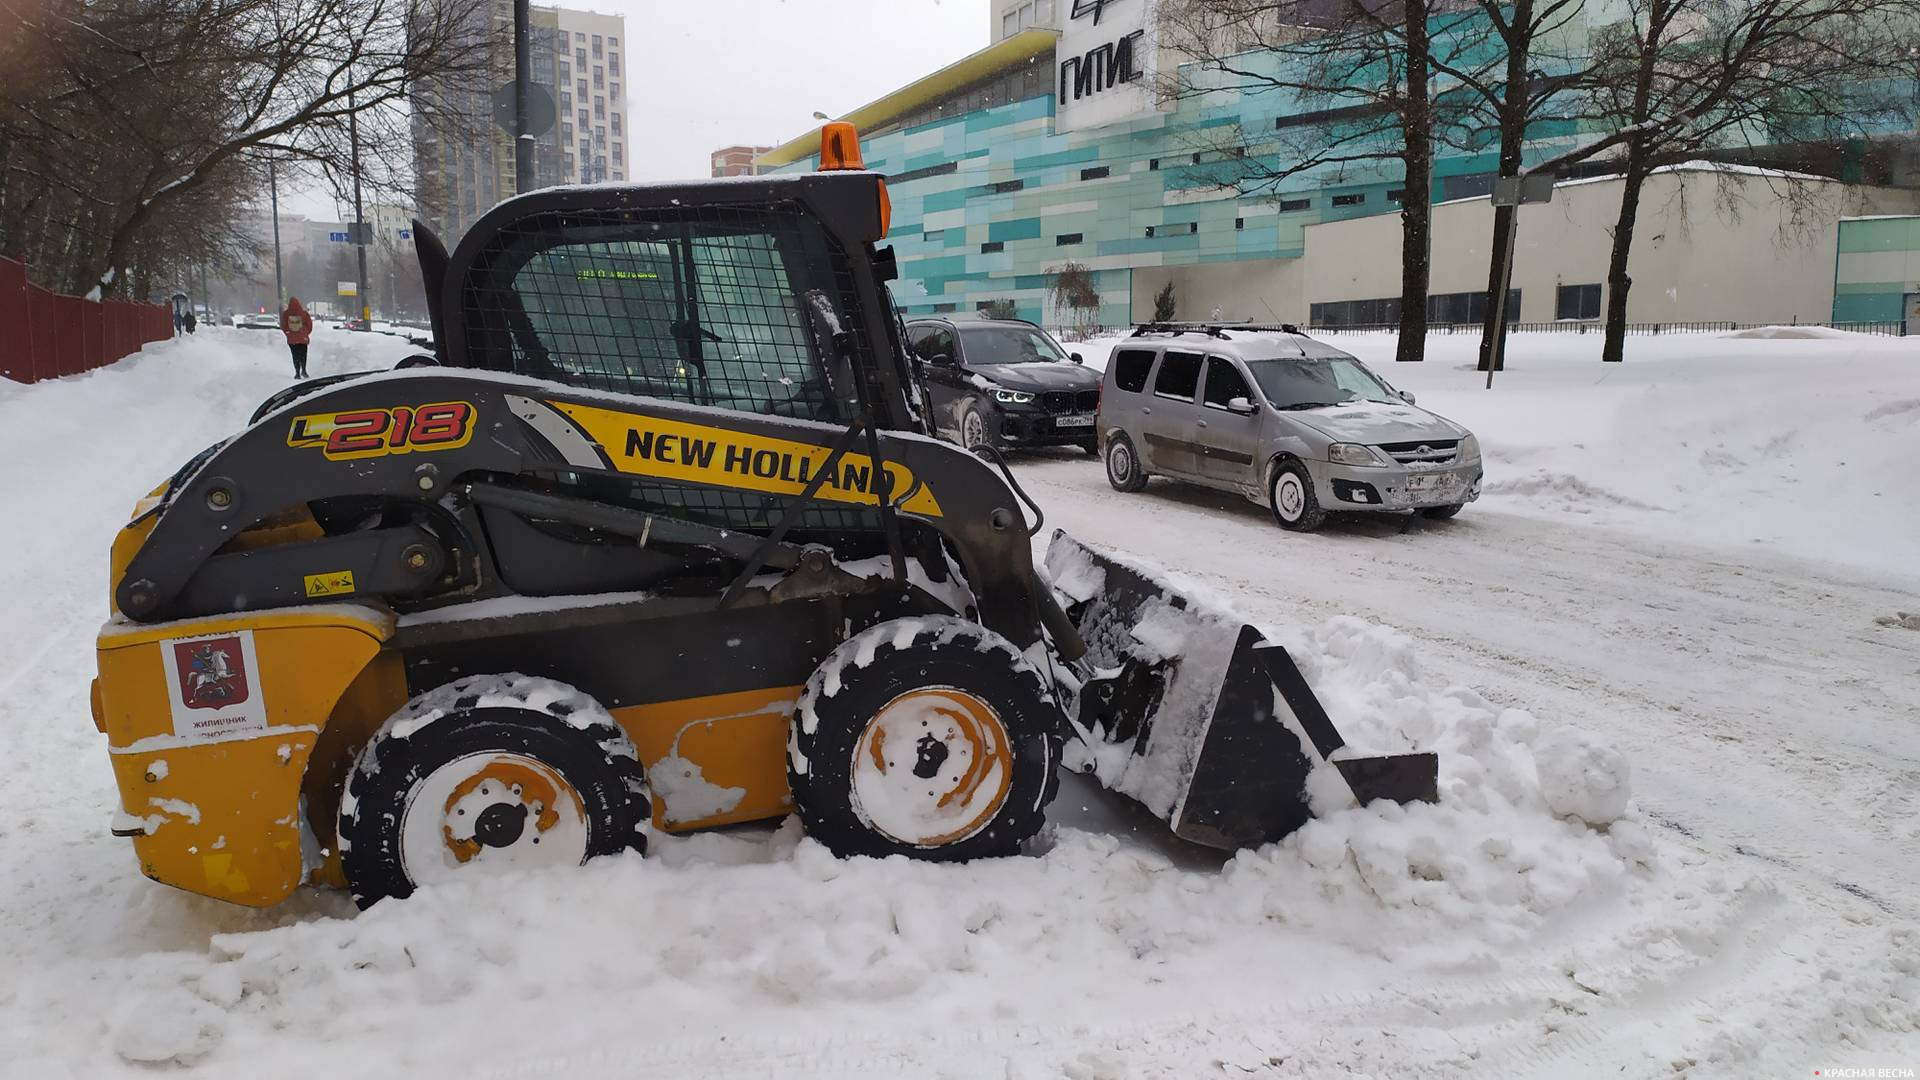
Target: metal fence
[44, 334]
[1573, 326]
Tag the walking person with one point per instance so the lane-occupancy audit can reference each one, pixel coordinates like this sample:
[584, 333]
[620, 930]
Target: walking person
[298, 326]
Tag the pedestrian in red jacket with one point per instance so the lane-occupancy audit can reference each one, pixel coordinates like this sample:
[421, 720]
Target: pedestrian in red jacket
[298, 326]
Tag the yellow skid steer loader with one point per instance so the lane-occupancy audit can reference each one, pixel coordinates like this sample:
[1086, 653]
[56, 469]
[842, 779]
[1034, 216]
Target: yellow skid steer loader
[658, 541]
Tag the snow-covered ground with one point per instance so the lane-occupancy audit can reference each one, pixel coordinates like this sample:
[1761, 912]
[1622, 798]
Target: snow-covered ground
[1679, 560]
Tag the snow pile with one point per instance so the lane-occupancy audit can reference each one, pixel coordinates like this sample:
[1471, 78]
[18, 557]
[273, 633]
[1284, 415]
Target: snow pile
[1795, 333]
[1794, 440]
[1530, 819]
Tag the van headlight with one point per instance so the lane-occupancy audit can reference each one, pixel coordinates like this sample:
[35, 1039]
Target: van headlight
[1011, 397]
[1469, 450]
[1346, 453]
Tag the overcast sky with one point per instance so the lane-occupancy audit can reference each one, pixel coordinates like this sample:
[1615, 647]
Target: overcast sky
[703, 74]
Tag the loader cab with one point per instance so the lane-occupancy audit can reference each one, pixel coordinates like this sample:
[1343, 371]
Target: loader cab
[760, 296]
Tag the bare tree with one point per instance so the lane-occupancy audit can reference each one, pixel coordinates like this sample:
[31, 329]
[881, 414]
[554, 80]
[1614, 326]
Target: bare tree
[137, 111]
[1362, 91]
[1685, 77]
[1076, 303]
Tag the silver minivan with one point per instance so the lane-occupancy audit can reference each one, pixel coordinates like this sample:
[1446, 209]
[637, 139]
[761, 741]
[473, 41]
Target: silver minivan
[1292, 423]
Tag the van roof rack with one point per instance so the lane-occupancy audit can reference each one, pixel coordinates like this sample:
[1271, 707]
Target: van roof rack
[1211, 329]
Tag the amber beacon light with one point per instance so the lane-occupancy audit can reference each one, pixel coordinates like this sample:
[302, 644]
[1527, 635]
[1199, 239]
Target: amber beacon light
[840, 150]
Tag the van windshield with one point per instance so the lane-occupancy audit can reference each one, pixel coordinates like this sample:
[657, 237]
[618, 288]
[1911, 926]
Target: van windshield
[1314, 382]
[1008, 345]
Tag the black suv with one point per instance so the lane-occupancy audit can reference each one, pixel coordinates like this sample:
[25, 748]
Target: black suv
[1005, 383]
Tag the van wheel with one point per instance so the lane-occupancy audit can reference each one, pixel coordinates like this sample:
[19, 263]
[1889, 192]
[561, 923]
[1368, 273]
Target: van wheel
[448, 787]
[975, 431]
[926, 737]
[1124, 470]
[1290, 493]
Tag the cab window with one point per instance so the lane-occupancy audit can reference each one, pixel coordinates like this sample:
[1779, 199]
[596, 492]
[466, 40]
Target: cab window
[1179, 376]
[718, 309]
[1224, 383]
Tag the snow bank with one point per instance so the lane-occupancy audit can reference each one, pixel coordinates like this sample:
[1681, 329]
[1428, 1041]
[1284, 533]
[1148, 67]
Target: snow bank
[1799, 441]
[1531, 818]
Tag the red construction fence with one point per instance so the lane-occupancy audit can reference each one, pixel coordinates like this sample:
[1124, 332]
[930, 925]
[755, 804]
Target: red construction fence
[44, 334]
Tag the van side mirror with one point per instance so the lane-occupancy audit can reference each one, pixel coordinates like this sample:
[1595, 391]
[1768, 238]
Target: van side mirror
[1405, 395]
[1076, 358]
[1242, 406]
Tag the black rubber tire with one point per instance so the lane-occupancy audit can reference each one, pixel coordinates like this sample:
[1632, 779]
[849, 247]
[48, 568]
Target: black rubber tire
[940, 651]
[1311, 514]
[975, 409]
[612, 787]
[1135, 477]
[1442, 513]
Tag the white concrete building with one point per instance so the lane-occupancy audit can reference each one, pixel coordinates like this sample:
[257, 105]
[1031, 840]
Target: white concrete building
[1711, 243]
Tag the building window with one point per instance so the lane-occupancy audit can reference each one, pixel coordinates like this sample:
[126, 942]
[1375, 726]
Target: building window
[599, 76]
[580, 57]
[1009, 24]
[566, 101]
[618, 175]
[600, 136]
[1354, 199]
[1153, 164]
[617, 155]
[1196, 159]
[1065, 239]
[1005, 186]
[566, 164]
[1098, 172]
[1149, 232]
[934, 235]
[613, 63]
[1576, 302]
[1397, 194]
[580, 87]
[616, 123]
[566, 71]
[1042, 11]
[584, 118]
[566, 133]
[1289, 205]
[1239, 224]
[613, 91]
[945, 309]
[579, 35]
[992, 246]
[596, 45]
[599, 107]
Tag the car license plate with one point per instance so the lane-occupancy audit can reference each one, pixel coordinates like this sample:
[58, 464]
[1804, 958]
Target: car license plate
[1428, 483]
[1076, 420]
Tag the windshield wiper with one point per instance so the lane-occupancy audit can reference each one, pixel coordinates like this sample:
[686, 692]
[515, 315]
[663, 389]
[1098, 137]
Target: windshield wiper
[1299, 405]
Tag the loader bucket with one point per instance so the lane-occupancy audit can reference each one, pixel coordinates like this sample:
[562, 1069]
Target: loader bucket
[1196, 715]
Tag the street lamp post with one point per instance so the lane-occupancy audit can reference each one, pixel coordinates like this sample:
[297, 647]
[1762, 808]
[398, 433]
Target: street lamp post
[359, 215]
[273, 188]
[523, 141]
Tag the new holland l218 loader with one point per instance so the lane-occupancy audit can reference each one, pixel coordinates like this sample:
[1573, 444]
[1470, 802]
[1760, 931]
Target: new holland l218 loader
[659, 541]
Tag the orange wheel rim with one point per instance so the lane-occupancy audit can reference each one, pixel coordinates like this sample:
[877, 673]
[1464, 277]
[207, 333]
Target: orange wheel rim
[932, 767]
